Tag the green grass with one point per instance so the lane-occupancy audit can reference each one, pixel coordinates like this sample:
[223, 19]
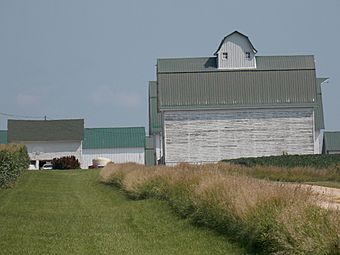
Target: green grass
[70, 212]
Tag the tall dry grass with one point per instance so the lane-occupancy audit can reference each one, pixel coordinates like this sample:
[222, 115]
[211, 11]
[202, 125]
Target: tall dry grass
[267, 217]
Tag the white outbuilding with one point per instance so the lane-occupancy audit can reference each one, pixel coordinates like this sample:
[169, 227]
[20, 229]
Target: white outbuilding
[48, 139]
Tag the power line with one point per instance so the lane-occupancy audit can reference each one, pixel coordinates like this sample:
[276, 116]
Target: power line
[22, 116]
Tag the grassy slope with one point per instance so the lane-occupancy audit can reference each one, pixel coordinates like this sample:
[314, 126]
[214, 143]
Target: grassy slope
[70, 212]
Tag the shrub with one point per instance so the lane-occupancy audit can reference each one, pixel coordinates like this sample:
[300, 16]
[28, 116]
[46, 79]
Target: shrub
[269, 217]
[69, 162]
[14, 160]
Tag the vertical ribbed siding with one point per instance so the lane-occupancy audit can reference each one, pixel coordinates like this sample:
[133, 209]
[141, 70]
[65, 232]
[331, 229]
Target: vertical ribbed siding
[236, 47]
[155, 124]
[150, 151]
[3, 136]
[129, 137]
[237, 88]
[332, 142]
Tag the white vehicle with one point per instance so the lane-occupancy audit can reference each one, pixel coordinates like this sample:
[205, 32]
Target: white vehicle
[31, 167]
[47, 166]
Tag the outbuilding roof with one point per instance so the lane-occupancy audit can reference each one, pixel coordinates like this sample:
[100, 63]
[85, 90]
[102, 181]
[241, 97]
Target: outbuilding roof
[3, 136]
[332, 141]
[45, 130]
[125, 137]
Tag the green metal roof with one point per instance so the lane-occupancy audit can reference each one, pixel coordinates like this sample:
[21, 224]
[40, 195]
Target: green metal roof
[209, 64]
[241, 88]
[3, 136]
[155, 123]
[332, 141]
[127, 137]
[45, 130]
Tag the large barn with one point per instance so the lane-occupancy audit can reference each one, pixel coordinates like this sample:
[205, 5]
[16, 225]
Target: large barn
[235, 104]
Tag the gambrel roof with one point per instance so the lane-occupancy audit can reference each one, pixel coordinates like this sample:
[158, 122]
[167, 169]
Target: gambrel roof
[226, 38]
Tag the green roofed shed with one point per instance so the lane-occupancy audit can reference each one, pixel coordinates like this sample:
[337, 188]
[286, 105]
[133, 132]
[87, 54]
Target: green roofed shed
[125, 137]
[3, 136]
[331, 142]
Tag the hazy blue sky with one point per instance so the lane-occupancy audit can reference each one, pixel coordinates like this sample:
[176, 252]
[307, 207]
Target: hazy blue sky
[93, 59]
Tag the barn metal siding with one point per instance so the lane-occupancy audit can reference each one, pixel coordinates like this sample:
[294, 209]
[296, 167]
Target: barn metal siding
[319, 116]
[238, 88]
[209, 136]
[3, 136]
[332, 142]
[150, 152]
[155, 122]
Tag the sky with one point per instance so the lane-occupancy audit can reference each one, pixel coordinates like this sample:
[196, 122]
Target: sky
[93, 59]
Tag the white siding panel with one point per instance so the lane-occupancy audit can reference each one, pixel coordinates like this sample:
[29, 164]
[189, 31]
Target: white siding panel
[236, 46]
[53, 149]
[209, 136]
[117, 155]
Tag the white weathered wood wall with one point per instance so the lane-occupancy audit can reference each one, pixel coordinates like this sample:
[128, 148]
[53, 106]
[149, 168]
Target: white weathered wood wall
[53, 149]
[117, 155]
[209, 136]
[236, 46]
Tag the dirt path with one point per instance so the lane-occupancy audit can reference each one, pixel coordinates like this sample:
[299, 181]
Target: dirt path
[330, 196]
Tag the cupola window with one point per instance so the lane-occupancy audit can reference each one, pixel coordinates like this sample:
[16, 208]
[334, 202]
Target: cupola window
[247, 55]
[225, 55]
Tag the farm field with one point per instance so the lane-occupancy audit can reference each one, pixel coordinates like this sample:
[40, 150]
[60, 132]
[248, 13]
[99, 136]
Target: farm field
[71, 212]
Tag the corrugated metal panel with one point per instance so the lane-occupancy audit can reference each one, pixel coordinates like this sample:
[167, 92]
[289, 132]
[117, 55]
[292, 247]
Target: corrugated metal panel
[45, 130]
[332, 141]
[155, 123]
[3, 136]
[285, 62]
[150, 152]
[319, 116]
[114, 137]
[209, 64]
[237, 88]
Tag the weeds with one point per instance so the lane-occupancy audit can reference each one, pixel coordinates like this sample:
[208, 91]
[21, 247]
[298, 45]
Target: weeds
[267, 217]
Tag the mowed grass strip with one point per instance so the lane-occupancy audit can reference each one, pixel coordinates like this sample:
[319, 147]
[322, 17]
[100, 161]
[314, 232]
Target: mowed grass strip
[70, 212]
